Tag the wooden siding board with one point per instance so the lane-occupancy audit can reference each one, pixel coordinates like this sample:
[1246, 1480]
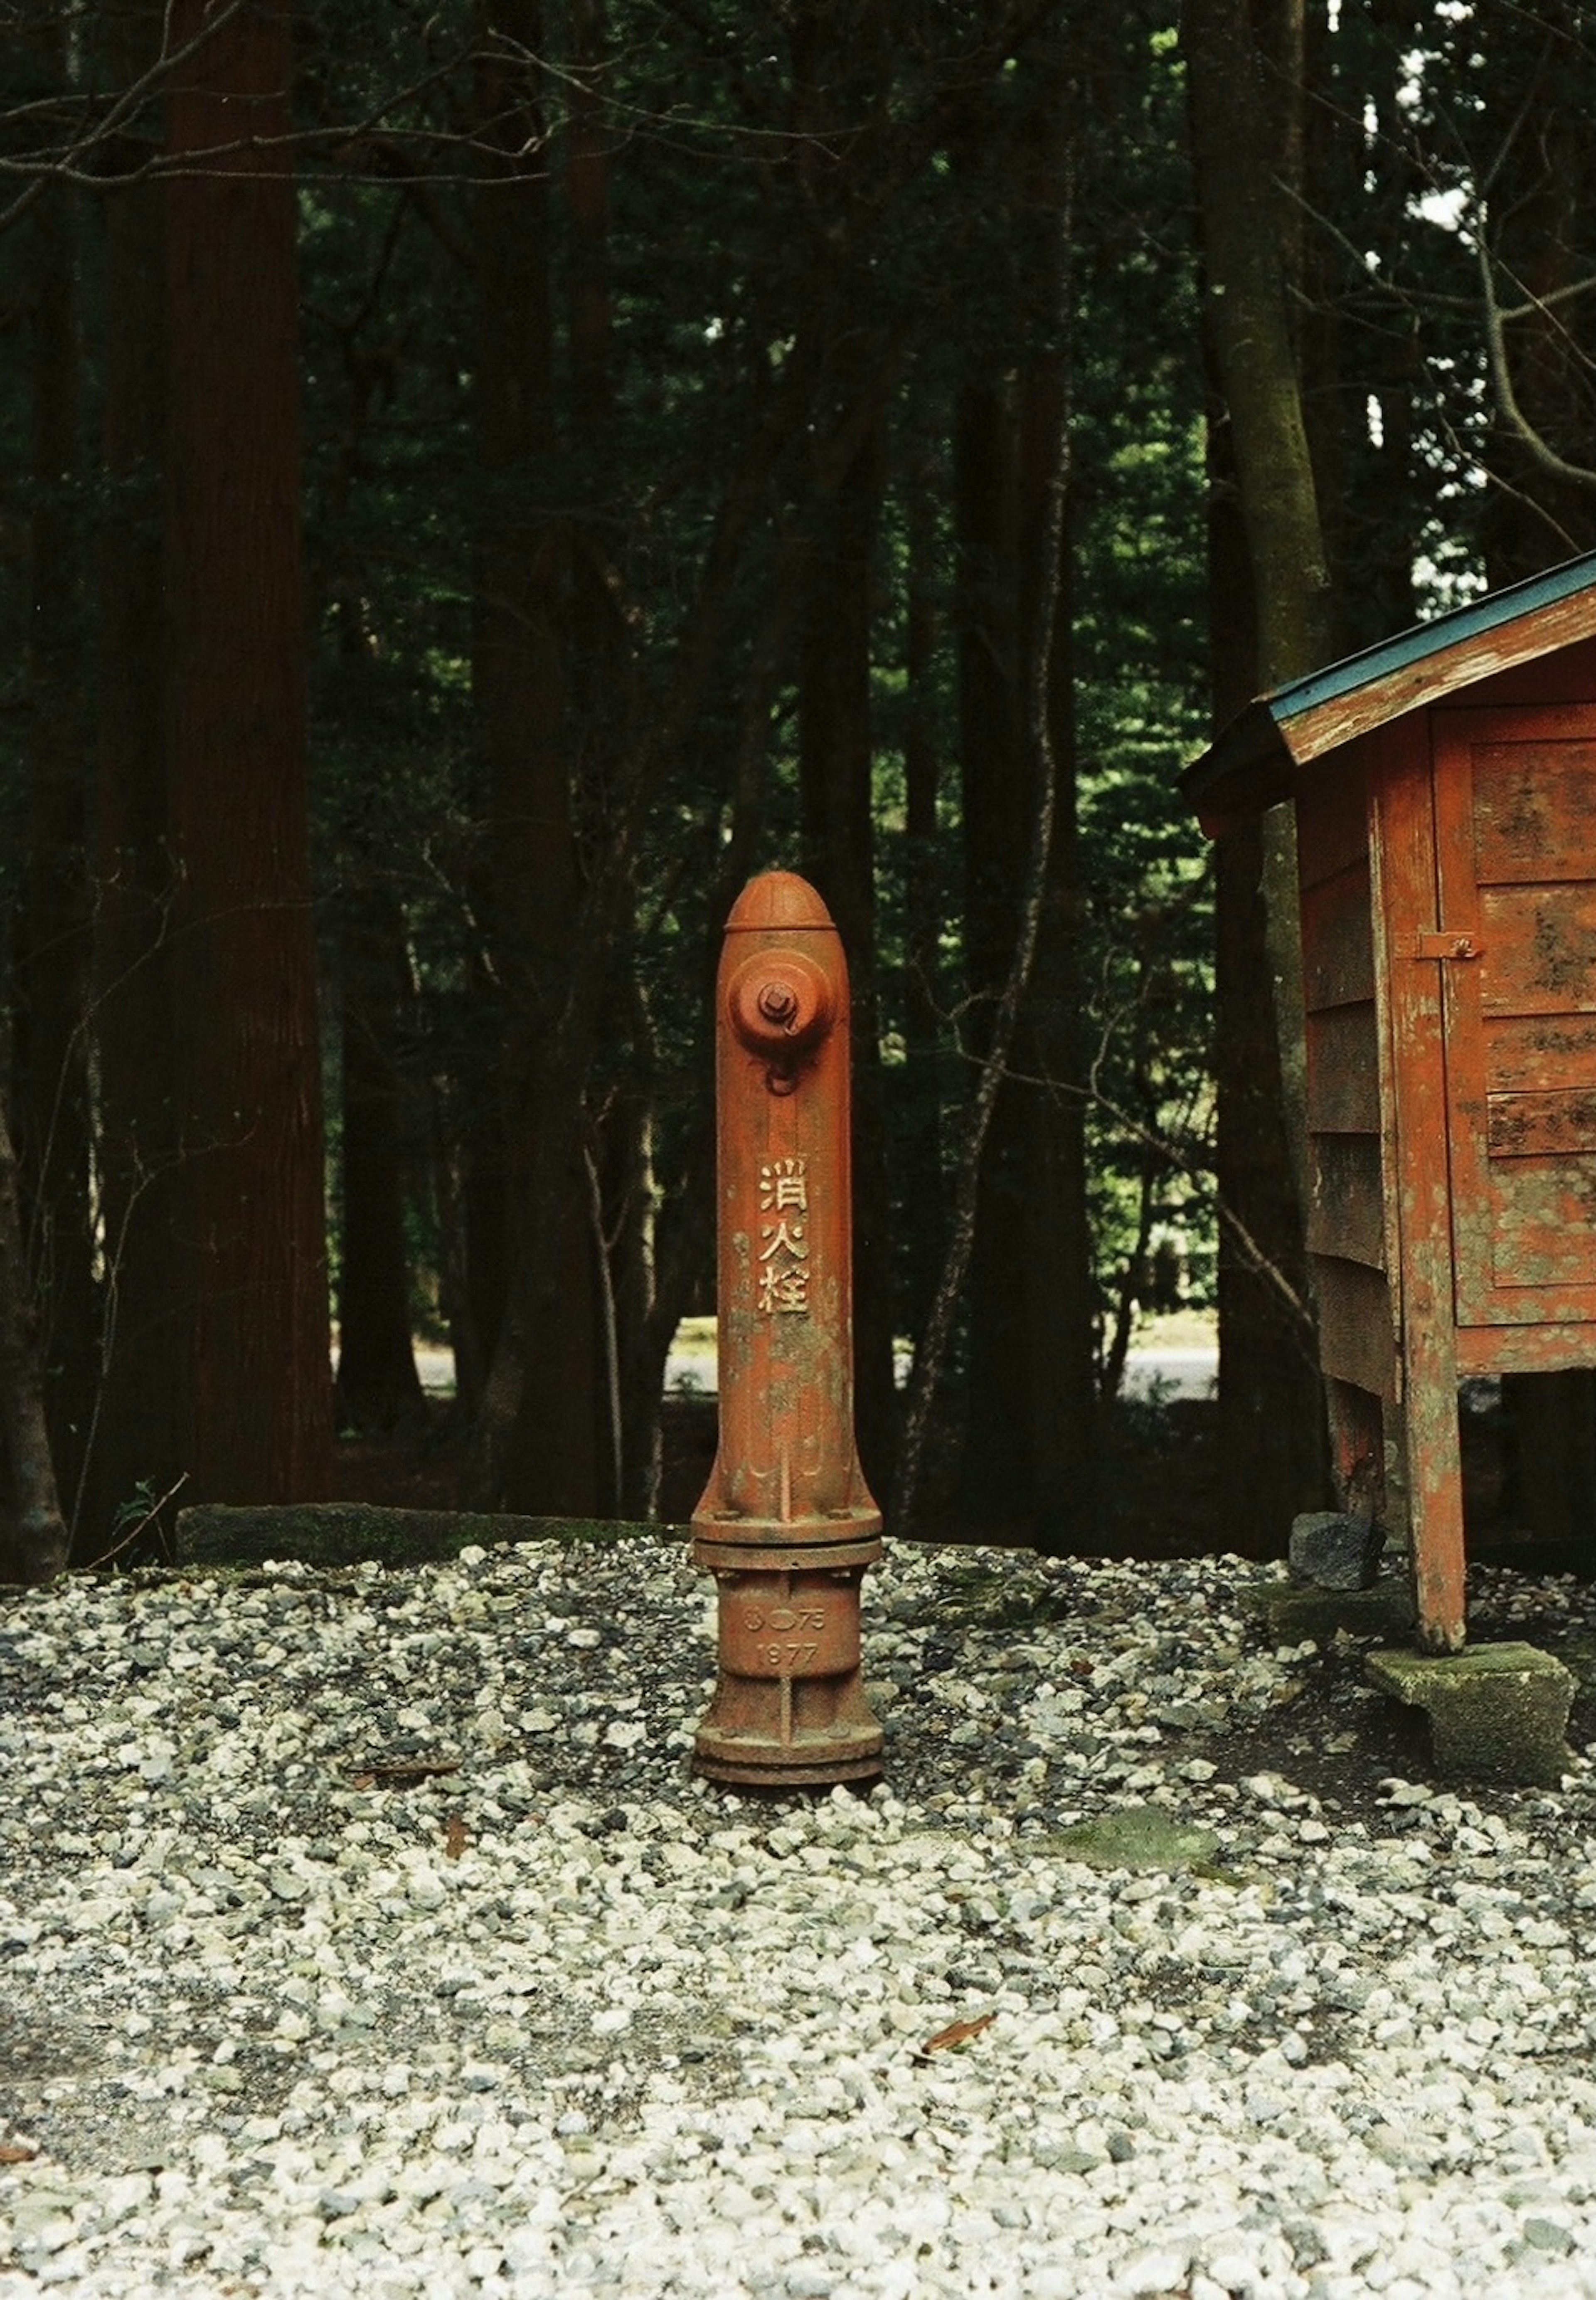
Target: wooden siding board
[1541, 942]
[1541, 1125]
[1332, 823]
[1541, 1240]
[1539, 1349]
[1523, 1177]
[1535, 811]
[1346, 1213]
[1385, 757]
[1539, 1054]
[1343, 1069]
[1338, 958]
[1356, 1340]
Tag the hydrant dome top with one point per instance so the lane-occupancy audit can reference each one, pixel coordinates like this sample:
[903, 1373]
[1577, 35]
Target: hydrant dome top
[778, 899]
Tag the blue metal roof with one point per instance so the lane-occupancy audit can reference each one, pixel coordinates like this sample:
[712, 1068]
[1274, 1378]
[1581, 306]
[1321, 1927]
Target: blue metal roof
[1249, 762]
[1473, 621]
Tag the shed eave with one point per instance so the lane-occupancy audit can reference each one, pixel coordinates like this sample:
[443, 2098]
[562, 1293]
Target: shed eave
[1246, 767]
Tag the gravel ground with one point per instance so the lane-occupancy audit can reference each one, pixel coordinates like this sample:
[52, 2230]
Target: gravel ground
[286, 2012]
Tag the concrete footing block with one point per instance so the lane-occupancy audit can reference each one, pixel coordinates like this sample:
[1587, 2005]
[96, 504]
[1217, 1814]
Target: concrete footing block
[1496, 1713]
[1293, 1614]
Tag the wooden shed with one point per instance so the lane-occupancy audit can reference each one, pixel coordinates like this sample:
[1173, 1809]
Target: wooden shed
[1444, 787]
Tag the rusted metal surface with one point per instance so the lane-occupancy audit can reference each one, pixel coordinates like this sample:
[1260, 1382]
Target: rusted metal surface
[786, 1524]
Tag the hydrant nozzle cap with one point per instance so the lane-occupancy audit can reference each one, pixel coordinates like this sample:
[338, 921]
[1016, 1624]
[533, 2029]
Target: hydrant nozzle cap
[779, 1002]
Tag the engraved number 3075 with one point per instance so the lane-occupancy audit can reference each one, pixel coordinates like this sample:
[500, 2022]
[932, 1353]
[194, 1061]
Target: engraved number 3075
[784, 1618]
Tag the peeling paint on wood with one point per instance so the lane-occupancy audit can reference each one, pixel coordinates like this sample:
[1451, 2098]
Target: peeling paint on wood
[1533, 1053]
[1310, 734]
[1527, 1125]
[1422, 1182]
[1524, 1349]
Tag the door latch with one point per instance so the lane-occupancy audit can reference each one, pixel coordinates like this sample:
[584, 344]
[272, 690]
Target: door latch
[1445, 942]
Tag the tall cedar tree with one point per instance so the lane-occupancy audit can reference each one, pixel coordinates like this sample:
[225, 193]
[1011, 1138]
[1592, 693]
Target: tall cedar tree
[1030, 1448]
[247, 1237]
[135, 1439]
[1265, 509]
[554, 1457]
[51, 974]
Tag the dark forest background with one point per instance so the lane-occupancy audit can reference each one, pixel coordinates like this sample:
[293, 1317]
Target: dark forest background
[481, 480]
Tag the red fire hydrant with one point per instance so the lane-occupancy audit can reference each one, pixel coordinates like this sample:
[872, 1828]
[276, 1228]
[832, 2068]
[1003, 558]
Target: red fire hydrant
[786, 1524]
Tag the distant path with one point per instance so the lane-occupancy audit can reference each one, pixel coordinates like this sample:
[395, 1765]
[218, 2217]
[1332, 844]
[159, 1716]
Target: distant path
[1175, 1373]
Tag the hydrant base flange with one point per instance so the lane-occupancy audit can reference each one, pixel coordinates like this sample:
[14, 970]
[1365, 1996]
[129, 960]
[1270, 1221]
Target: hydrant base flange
[790, 1701]
[750, 1763]
[769, 1553]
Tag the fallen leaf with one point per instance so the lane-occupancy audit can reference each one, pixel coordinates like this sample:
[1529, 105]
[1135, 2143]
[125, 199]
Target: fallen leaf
[404, 1771]
[957, 2033]
[10, 2154]
[454, 1838]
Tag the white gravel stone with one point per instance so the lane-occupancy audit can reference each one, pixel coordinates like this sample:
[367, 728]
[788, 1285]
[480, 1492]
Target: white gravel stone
[560, 2018]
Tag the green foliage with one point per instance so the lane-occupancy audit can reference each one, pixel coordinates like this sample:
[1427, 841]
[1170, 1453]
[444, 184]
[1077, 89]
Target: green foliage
[794, 198]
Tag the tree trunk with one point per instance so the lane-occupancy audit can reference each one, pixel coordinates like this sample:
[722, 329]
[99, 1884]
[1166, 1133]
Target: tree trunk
[1246, 305]
[251, 1225]
[587, 192]
[53, 955]
[555, 1458]
[134, 1442]
[378, 1385]
[1269, 585]
[1030, 1454]
[1059, 1293]
[1541, 91]
[33, 1537]
[996, 1481]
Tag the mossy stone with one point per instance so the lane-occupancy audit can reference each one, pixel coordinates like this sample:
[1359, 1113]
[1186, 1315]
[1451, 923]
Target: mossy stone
[1496, 1712]
[1137, 1836]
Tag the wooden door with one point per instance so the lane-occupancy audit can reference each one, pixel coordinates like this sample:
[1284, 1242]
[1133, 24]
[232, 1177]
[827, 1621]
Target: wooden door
[1515, 852]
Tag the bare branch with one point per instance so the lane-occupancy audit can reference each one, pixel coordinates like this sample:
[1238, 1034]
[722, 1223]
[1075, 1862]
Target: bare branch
[933, 1346]
[1539, 448]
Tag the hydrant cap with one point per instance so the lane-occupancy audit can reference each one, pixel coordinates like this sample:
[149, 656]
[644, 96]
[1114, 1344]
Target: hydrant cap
[778, 899]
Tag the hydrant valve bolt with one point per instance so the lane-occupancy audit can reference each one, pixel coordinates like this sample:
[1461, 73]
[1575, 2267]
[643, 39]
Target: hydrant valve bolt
[780, 1002]
[786, 1524]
